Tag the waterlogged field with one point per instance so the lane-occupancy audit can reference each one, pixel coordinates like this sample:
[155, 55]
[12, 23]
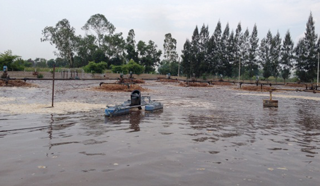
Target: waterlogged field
[204, 136]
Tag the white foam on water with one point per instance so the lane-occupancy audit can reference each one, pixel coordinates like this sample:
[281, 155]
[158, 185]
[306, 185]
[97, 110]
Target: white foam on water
[187, 103]
[4, 99]
[282, 96]
[59, 108]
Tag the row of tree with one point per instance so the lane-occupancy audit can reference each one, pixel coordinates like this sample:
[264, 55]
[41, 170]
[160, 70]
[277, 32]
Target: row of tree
[16, 63]
[224, 51]
[100, 44]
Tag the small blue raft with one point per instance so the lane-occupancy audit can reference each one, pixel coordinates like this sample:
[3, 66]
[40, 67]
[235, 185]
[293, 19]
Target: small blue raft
[153, 106]
[137, 101]
[117, 110]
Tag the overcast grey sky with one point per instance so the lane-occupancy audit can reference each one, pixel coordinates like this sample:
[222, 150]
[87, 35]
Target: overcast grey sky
[22, 21]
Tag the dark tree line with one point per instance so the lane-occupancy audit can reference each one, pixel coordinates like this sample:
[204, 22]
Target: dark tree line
[222, 52]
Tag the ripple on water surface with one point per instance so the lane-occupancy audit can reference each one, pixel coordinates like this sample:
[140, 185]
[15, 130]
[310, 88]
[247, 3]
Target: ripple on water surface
[208, 137]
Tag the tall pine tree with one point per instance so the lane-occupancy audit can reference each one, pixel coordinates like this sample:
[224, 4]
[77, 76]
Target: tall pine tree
[306, 53]
[217, 50]
[265, 55]
[203, 50]
[226, 57]
[237, 49]
[253, 52]
[244, 50]
[195, 49]
[275, 54]
[286, 62]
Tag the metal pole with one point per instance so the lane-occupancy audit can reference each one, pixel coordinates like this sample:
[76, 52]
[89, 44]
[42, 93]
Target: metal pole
[318, 72]
[239, 69]
[54, 68]
[179, 67]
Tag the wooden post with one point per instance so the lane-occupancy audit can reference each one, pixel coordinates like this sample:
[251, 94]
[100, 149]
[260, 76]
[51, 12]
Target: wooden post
[54, 68]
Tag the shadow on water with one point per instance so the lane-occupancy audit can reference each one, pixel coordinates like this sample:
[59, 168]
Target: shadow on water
[134, 118]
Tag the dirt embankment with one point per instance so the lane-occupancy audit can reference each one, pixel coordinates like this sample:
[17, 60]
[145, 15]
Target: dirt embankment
[119, 88]
[16, 83]
[257, 88]
[168, 80]
[194, 84]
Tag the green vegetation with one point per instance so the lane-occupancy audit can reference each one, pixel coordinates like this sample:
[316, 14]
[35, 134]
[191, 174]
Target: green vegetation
[204, 56]
[169, 67]
[13, 62]
[103, 44]
[40, 76]
[132, 66]
[93, 67]
[224, 50]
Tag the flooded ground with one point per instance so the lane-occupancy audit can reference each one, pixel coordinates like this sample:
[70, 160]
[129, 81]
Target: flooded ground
[204, 136]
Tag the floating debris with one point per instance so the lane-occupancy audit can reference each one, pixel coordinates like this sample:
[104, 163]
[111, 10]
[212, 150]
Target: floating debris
[282, 168]
[201, 169]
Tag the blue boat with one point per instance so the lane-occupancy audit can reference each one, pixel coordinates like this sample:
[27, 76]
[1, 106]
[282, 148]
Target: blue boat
[117, 110]
[153, 105]
[137, 101]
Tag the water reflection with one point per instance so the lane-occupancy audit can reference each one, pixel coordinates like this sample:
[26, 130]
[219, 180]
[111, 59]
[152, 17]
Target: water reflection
[309, 128]
[285, 126]
[134, 118]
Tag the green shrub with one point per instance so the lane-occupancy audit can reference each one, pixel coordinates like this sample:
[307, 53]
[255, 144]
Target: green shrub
[134, 67]
[125, 69]
[116, 69]
[95, 67]
[102, 65]
[40, 76]
[204, 76]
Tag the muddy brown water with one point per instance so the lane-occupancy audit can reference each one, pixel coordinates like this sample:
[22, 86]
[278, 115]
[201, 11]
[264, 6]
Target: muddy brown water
[203, 136]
